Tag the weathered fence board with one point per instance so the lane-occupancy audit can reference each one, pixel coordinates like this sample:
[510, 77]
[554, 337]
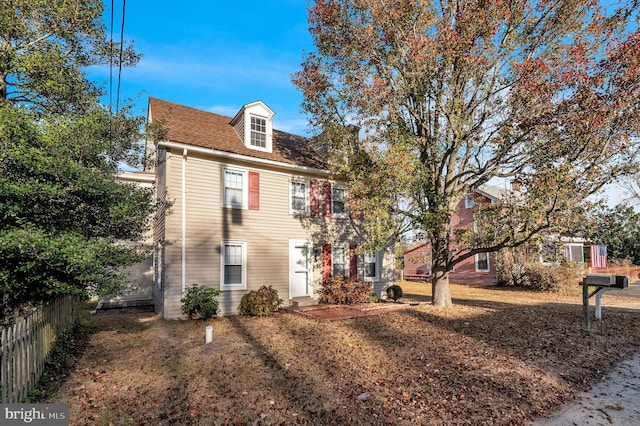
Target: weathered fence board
[26, 345]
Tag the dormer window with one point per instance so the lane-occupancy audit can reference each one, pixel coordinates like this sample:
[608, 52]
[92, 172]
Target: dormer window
[254, 125]
[258, 132]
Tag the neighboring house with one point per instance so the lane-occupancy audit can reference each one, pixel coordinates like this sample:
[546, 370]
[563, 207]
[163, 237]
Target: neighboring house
[242, 205]
[481, 268]
[140, 274]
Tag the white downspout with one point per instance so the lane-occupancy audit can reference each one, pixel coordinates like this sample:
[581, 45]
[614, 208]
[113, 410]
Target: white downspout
[184, 220]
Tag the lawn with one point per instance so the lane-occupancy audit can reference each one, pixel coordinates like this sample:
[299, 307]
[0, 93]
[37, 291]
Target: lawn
[496, 357]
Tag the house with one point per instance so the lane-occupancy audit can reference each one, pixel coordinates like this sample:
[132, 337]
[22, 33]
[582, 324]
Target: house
[481, 268]
[242, 205]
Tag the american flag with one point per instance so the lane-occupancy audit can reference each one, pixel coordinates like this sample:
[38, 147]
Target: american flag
[599, 256]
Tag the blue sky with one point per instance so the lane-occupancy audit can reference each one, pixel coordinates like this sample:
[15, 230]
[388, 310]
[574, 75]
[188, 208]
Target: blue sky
[215, 55]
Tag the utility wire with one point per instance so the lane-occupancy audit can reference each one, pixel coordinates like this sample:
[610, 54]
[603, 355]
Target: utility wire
[111, 70]
[124, 5]
[111, 60]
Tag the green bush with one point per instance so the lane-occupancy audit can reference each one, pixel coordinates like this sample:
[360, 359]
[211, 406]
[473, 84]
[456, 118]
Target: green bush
[261, 302]
[344, 291]
[200, 302]
[394, 292]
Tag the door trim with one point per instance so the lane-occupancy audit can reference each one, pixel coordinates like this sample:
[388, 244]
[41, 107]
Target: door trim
[292, 246]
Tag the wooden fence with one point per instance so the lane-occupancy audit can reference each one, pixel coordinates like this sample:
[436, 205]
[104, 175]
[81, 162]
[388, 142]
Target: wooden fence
[633, 272]
[26, 345]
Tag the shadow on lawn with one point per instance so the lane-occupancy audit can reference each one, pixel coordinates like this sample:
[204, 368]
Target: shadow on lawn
[301, 390]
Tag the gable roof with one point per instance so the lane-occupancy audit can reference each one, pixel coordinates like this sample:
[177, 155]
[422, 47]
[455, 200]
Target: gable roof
[496, 193]
[205, 129]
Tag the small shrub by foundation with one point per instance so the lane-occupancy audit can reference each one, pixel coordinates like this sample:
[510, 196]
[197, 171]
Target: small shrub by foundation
[200, 302]
[261, 302]
[394, 292]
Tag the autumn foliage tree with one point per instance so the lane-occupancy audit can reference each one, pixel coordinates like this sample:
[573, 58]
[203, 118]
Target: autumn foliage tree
[449, 95]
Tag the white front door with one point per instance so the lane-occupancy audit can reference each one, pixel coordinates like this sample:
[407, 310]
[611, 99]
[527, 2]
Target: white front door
[299, 268]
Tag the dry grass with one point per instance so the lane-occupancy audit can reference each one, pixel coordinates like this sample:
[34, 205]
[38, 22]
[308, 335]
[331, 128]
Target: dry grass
[496, 357]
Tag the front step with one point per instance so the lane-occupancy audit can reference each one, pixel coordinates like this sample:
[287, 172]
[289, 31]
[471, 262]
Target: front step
[298, 302]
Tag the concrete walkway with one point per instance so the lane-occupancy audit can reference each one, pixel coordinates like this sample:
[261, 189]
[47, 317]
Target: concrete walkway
[613, 401]
[616, 399]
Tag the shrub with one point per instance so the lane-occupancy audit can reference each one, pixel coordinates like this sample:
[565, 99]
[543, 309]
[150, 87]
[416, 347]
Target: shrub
[344, 291]
[394, 292]
[261, 302]
[200, 302]
[553, 278]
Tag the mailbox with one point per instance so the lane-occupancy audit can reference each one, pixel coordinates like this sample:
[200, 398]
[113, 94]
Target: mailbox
[622, 281]
[600, 280]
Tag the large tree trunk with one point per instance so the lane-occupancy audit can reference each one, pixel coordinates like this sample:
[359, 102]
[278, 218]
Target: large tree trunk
[440, 270]
[440, 289]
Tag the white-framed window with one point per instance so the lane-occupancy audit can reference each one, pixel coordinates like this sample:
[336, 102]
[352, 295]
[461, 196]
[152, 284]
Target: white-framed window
[482, 262]
[469, 201]
[233, 265]
[339, 261]
[574, 252]
[338, 207]
[298, 196]
[235, 188]
[258, 137]
[371, 266]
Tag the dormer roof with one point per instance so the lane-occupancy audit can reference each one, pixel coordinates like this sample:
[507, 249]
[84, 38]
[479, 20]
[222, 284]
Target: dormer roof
[205, 129]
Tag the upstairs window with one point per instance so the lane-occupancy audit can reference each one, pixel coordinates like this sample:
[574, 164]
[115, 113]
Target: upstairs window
[299, 197]
[468, 201]
[233, 188]
[337, 201]
[258, 132]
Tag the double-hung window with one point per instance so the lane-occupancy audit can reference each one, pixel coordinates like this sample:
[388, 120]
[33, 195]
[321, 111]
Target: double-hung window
[337, 201]
[482, 262]
[233, 265]
[258, 132]
[298, 197]
[339, 261]
[371, 266]
[235, 188]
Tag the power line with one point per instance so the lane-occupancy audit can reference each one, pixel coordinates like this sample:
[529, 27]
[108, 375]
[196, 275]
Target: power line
[111, 71]
[124, 5]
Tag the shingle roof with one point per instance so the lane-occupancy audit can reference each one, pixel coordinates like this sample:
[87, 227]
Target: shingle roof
[209, 130]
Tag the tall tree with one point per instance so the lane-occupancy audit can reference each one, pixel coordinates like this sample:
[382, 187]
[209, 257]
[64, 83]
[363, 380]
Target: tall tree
[63, 215]
[451, 94]
[618, 228]
[45, 47]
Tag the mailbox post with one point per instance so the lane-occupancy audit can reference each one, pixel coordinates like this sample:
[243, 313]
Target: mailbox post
[600, 282]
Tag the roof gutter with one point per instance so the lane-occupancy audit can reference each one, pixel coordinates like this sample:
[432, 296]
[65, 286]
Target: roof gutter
[232, 156]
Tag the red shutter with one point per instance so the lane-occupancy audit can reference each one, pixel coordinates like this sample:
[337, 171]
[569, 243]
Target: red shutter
[353, 205]
[353, 261]
[254, 191]
[315, 200]
[326, 262]
[326, 198]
